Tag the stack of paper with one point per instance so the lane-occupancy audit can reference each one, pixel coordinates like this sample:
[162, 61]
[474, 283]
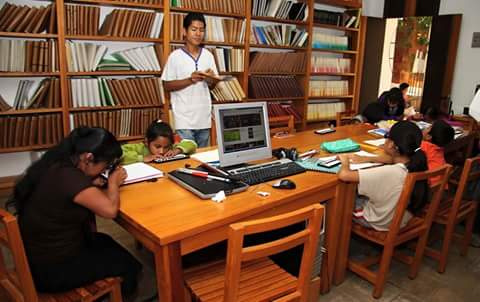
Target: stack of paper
[140, 172]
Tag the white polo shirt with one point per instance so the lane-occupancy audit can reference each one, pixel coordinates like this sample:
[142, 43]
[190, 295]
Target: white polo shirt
[192, 105]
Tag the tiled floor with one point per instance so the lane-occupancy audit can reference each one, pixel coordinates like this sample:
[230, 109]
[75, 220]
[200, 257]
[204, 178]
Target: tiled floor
[461, 281]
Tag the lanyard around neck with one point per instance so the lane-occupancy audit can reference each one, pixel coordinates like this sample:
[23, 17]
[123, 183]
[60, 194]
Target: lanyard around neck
[194, 60]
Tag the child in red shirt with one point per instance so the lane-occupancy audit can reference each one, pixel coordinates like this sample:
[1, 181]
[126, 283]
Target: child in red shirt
[435, 139]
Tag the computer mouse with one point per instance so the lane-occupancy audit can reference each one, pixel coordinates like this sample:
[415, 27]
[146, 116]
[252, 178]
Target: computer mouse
[285, 184]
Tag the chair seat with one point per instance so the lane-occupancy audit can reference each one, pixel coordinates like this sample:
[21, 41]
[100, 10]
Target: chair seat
[380, 236]
[86, 293]
[260, 280]
[444, 211]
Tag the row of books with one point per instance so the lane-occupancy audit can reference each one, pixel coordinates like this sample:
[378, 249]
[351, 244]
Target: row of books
[218, 29]
[82, 20]
[36, 94]
[323, 110]
[30, 130]
[274, 86]
[97, 92]
[281, 9]
[278, 62]
[279, 34]
[83, 57]
[328, 88]
[132, 23]
[328, 64]
[349, 18]
[282, 109]
[28, 56]
[121, 123]
[228, 59]
[326, 41]
[223, 6]
[228, 90]
[28, 19]
[159, 2]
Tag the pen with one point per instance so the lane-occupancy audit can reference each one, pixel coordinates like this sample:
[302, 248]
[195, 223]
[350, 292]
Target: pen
[202, 174]
[213, 169]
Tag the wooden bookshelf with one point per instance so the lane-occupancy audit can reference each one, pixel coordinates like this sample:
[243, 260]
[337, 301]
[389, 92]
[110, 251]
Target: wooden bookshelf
[355, 53]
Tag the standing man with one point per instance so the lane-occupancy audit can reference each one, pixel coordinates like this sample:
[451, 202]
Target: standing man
[187, 76]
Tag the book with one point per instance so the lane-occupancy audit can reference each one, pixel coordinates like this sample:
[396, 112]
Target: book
[139, 172]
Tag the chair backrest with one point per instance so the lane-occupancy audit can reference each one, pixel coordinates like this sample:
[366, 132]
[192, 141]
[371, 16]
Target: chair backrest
[281, 124]
[345, 118]
[436, 191]
[468, 176]
[18, 283]
[236, 254]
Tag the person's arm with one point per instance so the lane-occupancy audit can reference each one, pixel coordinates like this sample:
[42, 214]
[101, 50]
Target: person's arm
[187, 146]
[175, 85]
[132, 153]
[382, 158]
[345, 173]
[103, 203]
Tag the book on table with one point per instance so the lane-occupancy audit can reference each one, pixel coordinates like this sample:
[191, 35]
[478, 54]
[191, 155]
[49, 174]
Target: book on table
[140, 172]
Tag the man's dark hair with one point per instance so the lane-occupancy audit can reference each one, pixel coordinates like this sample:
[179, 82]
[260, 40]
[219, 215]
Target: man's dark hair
[403, 86]
[190, 17]
[442, 133]
[373, 112]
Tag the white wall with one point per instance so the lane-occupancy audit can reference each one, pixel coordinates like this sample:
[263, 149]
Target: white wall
[373, 8]
[467, 65]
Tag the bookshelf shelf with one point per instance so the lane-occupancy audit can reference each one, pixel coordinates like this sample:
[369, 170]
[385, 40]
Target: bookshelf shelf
[349, 52]
[26, 148]
[130, 138]
[275, 73]
[341, 74]
[217, 43]
[330, 26]
[273, 99]
[342, 3]
[105, 108]
[330, 97]
[117, 3]
[4, 74]
[277, 20]
[111, 38]
[206, 12]
[231, 72]
[113, 73]
[27, 35]
[30, 111]
[325, 119]
[276, 47]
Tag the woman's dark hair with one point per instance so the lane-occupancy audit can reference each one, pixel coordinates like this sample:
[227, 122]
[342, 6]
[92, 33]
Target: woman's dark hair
[394, 96]
[190, 17]
[98, 141]
[403, 86]
[407, 137]
[158, 128]
[442, 133]
[374, 112]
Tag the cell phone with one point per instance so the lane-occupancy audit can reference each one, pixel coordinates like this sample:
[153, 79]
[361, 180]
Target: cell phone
[324, 131]
[328, 164]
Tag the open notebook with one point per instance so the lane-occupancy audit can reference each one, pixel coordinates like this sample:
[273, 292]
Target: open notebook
[140, 172]
[312, 163]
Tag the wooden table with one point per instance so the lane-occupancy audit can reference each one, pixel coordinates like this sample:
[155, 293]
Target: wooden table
[171, 221]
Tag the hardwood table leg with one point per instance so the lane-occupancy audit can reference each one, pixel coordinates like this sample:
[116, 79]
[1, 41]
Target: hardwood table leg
[168, 268]
[344, 236]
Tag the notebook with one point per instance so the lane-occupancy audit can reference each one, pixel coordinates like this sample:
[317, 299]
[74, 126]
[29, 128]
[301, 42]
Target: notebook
[311, 164]
[139, 172]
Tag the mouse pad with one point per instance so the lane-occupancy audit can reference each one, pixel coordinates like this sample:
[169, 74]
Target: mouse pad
[205, 188]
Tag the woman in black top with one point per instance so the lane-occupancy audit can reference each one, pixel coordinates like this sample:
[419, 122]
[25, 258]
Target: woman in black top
[56, 202]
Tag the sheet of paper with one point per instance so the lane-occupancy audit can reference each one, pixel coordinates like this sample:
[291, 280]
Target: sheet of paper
[364, 165]
[375, 142]
[140, 172]
[207, 156]
[475, 107]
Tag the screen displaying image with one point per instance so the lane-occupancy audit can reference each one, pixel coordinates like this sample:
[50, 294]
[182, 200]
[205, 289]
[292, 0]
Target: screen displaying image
[243, 129]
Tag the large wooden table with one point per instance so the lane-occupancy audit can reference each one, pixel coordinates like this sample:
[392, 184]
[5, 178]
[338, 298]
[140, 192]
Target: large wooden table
[171, 222]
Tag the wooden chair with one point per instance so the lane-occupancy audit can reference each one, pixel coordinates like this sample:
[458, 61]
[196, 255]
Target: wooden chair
[282, 124]
[345, 118]
[453, 211]
[259, 279]
[18, 282]
[417, 227]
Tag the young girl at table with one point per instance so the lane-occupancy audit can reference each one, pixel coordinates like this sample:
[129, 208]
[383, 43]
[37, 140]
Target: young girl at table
[379, 188]
[159, 142]
[56, 201]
